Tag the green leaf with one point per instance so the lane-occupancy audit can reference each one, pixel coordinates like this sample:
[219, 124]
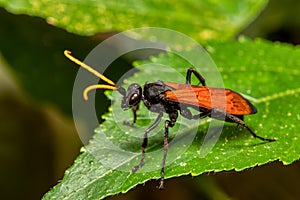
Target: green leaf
[267, 73]
[200, 19]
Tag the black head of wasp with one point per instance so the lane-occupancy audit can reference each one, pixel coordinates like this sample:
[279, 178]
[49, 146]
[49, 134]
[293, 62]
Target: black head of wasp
[174, 98]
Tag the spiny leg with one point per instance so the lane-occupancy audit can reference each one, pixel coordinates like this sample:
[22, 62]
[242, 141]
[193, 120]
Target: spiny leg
[166, 146]
[257, 136]
[239, 121]
[145, 141]
[197, 74]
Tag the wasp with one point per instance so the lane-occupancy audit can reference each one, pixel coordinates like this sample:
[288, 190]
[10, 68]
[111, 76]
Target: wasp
[174, 99]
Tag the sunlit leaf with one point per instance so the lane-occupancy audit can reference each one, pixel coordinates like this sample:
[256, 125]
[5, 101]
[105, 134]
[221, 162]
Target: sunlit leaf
[199, 19]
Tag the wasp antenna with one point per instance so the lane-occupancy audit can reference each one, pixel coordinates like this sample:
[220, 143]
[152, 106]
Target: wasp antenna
[88, 68]
[98, 86]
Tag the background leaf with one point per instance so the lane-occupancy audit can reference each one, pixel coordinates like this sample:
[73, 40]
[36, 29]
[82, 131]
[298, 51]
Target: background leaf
[199, 19]
[273, 87]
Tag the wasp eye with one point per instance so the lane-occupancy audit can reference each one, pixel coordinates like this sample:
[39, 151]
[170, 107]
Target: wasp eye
[134, 99]
[132, 96]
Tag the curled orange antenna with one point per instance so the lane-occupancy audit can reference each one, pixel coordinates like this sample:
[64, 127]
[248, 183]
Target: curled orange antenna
[85, 66]
[97, 86]
[111, 85]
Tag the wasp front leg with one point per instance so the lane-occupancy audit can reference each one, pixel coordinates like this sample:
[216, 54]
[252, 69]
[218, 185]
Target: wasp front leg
[134, 110]
[145, 141]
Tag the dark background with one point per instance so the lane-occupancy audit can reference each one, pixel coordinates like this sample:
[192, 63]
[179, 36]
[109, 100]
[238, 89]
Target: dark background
[38, 138]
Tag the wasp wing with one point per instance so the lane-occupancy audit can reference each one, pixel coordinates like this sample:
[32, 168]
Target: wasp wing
[209, 97]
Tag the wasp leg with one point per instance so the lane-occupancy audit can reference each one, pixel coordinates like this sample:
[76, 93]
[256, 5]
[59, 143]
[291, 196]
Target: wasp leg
[145, 141]
[187, 114]
[134, 110]
[189, 75]
[239, 121]
[168, 124]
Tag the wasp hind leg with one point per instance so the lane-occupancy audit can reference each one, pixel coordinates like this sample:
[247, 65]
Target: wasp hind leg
[197, 74]
[185, 112]
[239, 120]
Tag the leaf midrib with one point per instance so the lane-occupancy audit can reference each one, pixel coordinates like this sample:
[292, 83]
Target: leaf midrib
[278, 95]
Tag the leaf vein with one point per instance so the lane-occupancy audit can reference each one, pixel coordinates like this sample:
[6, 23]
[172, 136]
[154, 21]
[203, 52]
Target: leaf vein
[278, 95]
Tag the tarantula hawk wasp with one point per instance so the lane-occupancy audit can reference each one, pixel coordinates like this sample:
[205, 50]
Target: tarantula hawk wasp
[174, 98]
